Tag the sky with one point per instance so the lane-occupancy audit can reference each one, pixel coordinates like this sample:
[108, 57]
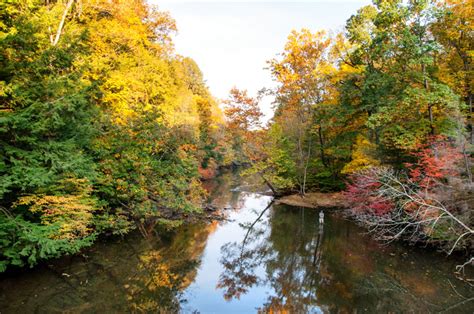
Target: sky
[232, 40]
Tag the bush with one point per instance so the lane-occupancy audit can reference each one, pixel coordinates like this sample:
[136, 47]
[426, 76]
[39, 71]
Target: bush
[429, 201]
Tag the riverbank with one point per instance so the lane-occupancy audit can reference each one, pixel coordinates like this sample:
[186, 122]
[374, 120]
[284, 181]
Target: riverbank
[315, 200]
[182, 267]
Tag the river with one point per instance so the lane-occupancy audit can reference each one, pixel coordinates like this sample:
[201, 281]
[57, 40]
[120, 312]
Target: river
[263, 258]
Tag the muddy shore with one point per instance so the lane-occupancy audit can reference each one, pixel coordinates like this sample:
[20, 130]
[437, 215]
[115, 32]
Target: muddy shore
[315, 200]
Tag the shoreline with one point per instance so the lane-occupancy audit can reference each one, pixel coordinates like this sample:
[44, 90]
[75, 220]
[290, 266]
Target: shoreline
[314, 200]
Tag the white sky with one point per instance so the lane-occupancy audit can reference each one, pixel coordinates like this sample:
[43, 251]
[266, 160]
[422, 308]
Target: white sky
[231, 40]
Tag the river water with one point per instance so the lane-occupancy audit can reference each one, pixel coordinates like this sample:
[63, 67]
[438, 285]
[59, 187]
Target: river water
[264, 258]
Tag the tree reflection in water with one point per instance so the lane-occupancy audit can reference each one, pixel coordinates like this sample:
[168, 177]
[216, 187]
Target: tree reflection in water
[292, 264]
[161, 274]
[305, 268]
[283, 261]
[240, 262]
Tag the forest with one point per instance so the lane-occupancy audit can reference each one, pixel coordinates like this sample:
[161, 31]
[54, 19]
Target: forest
[105, 128]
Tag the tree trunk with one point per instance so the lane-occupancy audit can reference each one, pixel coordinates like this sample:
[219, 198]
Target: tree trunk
[471, 117]
[430, 106]
[61, 24]
[469, 98]
[321, 147]
[430, 113]
[306, 166]
[274, 191]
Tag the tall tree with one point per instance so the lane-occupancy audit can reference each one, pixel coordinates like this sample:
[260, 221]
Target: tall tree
[303, 94]
[453, 29]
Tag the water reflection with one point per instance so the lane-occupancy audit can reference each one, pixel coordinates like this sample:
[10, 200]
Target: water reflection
[137, 275]
[265, 258]
[308, 266]
[161, 274]
[290, 252]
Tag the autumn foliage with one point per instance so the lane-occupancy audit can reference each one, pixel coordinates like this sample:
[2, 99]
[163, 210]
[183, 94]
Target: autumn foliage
[103, 126]
[362, 194]
[93, 95]
[426, 201]
[436, 161]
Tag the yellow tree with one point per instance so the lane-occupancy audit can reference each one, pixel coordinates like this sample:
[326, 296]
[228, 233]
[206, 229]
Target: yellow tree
[454, 30]
[302, 73]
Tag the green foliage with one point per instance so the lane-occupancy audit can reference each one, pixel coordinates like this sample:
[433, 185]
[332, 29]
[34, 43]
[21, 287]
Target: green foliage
[46, 116]
[283, 167]
[107, 127]
[146, 169]
[404, 101]
[99, 132]
[366, 97]
[26, 243]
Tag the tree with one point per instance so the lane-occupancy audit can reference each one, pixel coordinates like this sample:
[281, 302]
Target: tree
[453, 29]
[101, 125]
[428, 202]
[404, 101]
[302, 96]
[243, 117]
